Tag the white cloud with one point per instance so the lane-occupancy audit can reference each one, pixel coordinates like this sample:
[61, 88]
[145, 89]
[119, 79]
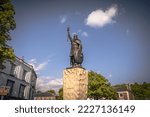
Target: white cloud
[41, 66]
[33, 60]
[63, 19]
[46, 83]
[85, 34]
[100, 18]
[38, 66]
[110, 75]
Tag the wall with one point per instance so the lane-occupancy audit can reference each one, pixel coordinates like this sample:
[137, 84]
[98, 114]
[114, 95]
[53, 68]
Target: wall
[29, 82]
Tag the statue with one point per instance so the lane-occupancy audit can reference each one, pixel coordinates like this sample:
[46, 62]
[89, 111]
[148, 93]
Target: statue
[76, 55]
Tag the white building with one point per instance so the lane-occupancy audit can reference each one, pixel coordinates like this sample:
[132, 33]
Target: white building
[20, 77]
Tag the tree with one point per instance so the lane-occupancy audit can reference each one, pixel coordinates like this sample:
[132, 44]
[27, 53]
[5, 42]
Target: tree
[7, 23]
[137, 91]
[146, 90]
[141, 91]
[52, 92]
[60, 94]
[99, 87]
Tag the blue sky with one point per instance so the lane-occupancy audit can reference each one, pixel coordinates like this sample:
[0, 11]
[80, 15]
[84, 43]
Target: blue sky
[114, 34]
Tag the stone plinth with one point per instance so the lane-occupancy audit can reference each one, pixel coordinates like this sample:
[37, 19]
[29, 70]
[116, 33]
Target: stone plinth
[75, 84]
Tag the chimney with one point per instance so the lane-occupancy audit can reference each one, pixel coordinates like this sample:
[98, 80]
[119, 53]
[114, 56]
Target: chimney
[128, 87]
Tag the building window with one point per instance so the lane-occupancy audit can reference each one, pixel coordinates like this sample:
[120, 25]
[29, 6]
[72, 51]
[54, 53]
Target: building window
[12, 71]
[10, 83]
[31, 94]
[24, 74]
[121, 95]
[21, 91]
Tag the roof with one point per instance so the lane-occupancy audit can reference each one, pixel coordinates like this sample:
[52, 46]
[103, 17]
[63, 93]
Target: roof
[121, 89]
[25, 63]
[44, 95]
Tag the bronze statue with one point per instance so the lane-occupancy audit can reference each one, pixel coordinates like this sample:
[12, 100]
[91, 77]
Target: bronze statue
[76, 55]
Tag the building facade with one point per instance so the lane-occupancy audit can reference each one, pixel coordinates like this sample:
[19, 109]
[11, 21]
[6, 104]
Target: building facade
[125, 93]
[20, 78]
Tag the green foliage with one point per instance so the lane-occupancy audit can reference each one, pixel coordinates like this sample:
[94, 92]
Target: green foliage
[60, 94]
[99, 87]
[52, 92]
[141, 91]
[7, 23]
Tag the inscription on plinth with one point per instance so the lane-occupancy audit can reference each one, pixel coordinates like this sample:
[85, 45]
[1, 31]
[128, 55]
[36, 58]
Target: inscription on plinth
[75, 84]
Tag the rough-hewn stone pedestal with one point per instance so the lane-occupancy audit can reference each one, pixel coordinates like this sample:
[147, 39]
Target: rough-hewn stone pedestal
[75, 82]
